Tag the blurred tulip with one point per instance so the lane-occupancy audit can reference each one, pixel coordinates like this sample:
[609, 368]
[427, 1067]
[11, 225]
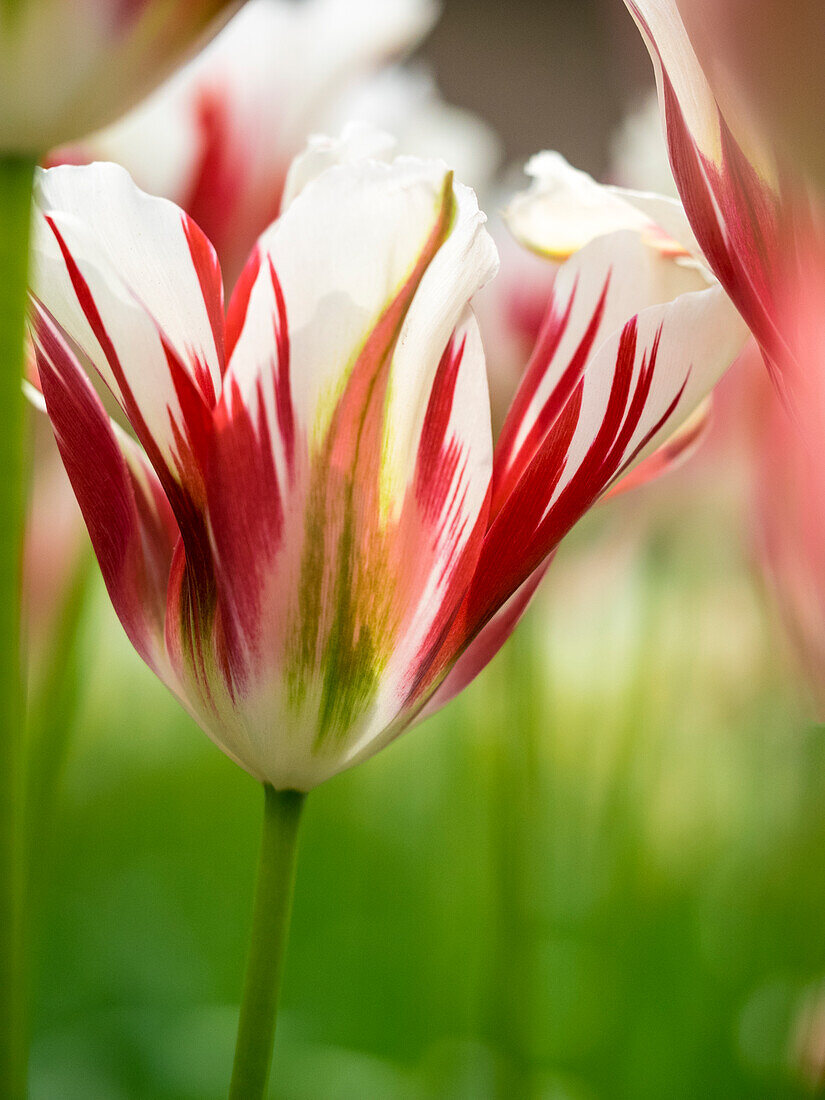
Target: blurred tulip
[314, 539]
[218, 139]
[790, 529]
[789, 496]
[68, 66]
[744, 189]
[751, 210]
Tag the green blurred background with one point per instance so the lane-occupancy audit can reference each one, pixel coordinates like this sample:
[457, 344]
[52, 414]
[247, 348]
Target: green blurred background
[598, 874]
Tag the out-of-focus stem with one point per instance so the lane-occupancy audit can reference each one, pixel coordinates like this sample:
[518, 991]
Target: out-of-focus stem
[16, 176]
[514, 779]
[52, 711]
[267, 944]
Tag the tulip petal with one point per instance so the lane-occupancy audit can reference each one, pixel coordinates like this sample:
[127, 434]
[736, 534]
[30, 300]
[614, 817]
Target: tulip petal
[602, 419]
[594, 293]
[357, 141]
[136, 286]
[130, 523]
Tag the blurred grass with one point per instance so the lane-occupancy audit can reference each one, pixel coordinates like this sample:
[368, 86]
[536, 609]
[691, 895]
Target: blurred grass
[600, 873]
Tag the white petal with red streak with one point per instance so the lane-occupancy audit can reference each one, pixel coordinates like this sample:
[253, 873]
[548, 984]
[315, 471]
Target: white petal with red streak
[629, 276]
[132, 253]
[466, 262]
[129, 520]
[697, 337]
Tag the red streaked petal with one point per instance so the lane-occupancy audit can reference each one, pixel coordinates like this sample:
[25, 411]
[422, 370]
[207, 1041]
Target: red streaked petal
[638, 387]
[128, 517]
[136, 286]
[612, 278]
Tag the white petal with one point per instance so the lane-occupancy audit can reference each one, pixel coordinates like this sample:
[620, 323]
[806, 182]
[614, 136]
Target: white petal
[595, 292]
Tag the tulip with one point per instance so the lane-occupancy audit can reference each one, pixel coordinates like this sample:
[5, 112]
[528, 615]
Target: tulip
[69, 66]
[306, 533]
[747, 163]
[218, 138]
[789, 496]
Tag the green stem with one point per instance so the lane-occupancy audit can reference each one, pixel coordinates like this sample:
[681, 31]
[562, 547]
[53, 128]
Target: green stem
[16, 176]
[53, 703]
[515, 766]
[267, 944]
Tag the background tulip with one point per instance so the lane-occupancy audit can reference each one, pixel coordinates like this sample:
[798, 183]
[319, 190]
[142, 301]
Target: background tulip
[69, 66]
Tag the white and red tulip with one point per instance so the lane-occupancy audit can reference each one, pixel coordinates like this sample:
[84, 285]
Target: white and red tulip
[738, 88]
[308, 536]
[219, 137]
[70, 66]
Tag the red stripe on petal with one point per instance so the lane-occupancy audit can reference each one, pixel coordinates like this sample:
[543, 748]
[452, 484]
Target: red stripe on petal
[282, 381]
[437, 456]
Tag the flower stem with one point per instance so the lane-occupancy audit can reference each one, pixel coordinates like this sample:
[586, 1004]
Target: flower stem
[53, 701]
[267, 944]
[16, 177]
[515, 769]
